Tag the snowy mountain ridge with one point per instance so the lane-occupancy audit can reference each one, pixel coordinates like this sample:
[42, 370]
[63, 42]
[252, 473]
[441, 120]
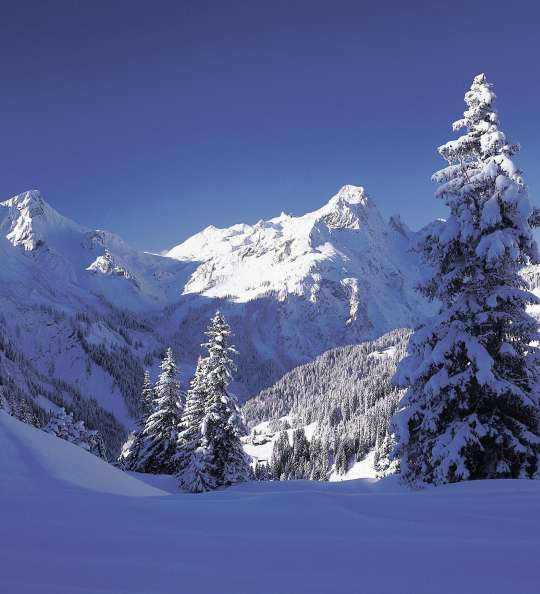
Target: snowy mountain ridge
[290, 255]
[89, 312]
[67, 250]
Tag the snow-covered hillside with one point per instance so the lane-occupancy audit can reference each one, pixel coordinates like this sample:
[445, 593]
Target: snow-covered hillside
[86, 313]
[71, 523]
[343, 398]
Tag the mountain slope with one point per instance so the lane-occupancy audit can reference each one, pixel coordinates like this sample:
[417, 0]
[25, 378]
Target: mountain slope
[294, 287]
[73, 305]
[83, 313]
[345, 398]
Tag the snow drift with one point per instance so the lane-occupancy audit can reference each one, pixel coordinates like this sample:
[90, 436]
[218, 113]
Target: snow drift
[34, 461]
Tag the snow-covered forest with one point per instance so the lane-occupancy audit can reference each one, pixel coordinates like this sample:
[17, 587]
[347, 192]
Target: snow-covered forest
[345, 396]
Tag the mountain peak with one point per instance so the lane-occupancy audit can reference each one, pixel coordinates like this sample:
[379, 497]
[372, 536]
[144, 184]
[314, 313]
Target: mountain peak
[351, 199]
[350, 194]
[30, 220]
[31, 201]
[350, 208]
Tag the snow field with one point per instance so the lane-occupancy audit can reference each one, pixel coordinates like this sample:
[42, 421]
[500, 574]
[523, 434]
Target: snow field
[62, 533]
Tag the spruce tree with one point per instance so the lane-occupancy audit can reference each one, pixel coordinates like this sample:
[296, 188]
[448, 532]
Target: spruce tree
[471, 406]
[281, 461]
[157, 452]
[383, 462]
[300, 455]
[194, 460]
[222, 425]
[147, 398]
[196, 476]
[318, 455]
[131, 450]
[262, 472]
[128, 457]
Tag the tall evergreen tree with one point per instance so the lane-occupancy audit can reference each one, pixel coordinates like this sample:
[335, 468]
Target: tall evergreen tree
[194, 460]
[131, 450]
[318, 456]
[471, 406]
[300, 455]
[147, 398]
[281, 462]
[222, 425]
[157, 453]
[384, 463]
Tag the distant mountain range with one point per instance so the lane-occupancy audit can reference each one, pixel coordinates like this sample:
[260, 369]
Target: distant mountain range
[83, 313]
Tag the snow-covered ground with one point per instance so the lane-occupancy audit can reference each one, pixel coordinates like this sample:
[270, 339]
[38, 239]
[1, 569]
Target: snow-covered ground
[71, 524]
[363, 469]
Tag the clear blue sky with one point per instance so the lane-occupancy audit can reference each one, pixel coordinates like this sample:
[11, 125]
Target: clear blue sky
[156, 119]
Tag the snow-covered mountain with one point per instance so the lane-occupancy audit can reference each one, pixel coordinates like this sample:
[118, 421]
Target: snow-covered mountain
[51, 250]
[343, 254]
[89, 312]
[294, 287]
[83, 313]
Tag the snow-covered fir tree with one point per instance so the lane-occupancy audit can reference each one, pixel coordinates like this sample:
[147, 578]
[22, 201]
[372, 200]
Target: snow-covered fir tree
[63, 425]
[157, 452]
[223, 424]
[131, 449]
[319, 467]
[197, 474]
[384, 462]
[147, 398]
[300, 455]
[281, 462]
[261, 471]
[194, 460]
[471, 406]
[127, 459]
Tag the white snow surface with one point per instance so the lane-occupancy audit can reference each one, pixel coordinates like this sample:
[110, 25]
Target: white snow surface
[363, 469]
[32, 459]
[63, 534]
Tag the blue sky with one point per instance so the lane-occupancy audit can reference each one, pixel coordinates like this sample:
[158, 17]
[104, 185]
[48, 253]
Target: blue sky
[156, 119]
